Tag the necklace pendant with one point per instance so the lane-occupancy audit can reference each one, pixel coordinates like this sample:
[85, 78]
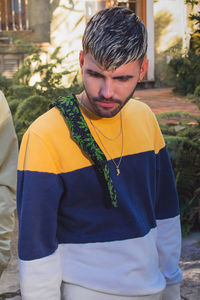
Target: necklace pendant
[118, 171]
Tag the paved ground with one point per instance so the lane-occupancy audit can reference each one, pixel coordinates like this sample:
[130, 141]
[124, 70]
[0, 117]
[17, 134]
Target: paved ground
[160, 100]
[163, 100]
[190, 265]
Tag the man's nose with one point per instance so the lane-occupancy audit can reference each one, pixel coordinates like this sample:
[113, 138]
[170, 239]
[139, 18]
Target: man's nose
[107, 89]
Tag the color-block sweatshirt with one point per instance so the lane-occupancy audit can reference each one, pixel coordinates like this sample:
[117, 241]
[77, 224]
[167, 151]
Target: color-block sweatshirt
[67, 232]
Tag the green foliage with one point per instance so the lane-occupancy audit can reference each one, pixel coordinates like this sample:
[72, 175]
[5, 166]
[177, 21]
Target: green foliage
[183, 143]
[5, 84]
[195, 18]
[25, 47]
[27, 111]
[162, 73]
[28, 102]
[50, 84]
[197, 91]
[186, 69]
[186, 73]
[192, 2]
[196, 96]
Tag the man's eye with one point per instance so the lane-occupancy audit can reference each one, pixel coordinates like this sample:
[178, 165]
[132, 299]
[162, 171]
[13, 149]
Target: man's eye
[95, 75]
[123, 79]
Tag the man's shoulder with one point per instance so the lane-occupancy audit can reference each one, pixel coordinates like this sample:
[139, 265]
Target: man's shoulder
[137, 112]
[135, 104]
[48, 122]
[137, 107]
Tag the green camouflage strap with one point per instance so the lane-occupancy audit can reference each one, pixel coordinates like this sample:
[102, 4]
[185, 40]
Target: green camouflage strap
[69, 107]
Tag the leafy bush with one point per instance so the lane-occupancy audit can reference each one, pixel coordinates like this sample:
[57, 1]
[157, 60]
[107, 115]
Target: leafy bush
[5, 84]
[186, 73]
[29, 102]
[27, 111]
[197, 95]
[186, 69]
[183, 143]
[195, 18]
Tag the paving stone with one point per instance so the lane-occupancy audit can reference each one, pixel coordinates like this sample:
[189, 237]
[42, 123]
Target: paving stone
[11, 295]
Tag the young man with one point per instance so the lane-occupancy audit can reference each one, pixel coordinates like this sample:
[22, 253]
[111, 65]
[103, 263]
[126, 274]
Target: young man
[97, 204]
[8, 180]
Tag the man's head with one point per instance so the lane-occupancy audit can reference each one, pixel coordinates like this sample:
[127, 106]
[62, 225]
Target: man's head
[113, 59]
[114, 37]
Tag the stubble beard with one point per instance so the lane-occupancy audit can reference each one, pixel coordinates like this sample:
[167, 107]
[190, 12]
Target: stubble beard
[111, 113]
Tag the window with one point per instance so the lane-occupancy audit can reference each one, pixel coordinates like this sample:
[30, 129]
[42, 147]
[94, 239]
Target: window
[137, 6]
[13, 15]
[95, 5]
[131, 4]
[10, 63]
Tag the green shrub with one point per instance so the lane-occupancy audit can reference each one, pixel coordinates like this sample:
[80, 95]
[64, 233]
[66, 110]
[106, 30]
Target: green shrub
[197, 91]
[5, 84]
[29, 102]
[183, 143]
[186, 69]
[27, 111]
[186, 73]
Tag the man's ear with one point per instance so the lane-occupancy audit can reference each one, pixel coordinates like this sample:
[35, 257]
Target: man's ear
[143, 68]
[81, 58]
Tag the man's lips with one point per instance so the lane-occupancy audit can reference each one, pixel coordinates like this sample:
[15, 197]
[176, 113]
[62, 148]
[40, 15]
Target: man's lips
[106, 103]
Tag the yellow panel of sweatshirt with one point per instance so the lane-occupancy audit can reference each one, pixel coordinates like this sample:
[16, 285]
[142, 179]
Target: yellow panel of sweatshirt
[47, 146]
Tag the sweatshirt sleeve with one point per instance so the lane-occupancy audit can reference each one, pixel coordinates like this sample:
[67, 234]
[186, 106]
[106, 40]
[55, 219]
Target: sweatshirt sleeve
[39, 191]
[168, 218]
[8, 178]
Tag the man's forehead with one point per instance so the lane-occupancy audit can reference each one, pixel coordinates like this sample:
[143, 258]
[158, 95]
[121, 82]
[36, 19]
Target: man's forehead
[92, 64]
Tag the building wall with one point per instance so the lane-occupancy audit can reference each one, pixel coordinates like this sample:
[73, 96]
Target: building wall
[172, 35]
[150, 50]
[39, 15]
[67, 27]
[61, 23]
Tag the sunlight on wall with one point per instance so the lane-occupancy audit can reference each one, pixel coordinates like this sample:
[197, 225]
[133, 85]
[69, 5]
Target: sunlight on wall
[67, 27]
[177, 27]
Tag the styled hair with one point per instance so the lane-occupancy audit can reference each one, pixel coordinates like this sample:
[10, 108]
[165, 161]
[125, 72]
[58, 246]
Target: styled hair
[115, 36]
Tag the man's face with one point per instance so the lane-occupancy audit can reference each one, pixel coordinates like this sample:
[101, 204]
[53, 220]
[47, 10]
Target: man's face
[106, 92]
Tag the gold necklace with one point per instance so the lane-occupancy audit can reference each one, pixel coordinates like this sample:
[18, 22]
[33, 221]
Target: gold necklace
[110, 139]
[116, 165]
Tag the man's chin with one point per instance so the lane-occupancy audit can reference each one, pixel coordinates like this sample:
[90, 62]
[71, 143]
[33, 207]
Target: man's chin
[107, 112]
[107, 115]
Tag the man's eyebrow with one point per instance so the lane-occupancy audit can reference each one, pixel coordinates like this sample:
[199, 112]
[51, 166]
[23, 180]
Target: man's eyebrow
[124, 77]
[120, 77]
[92, 72]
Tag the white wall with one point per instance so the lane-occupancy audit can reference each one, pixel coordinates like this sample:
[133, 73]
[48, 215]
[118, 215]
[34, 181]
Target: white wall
[150, 29]
[178, 26]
